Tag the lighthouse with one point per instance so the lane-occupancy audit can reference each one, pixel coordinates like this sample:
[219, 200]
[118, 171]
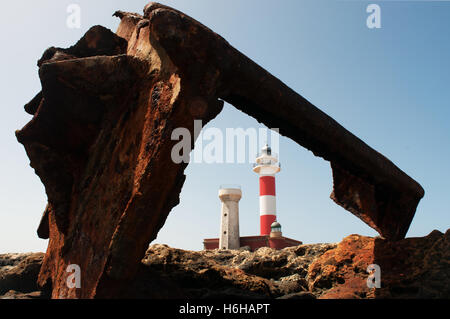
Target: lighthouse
[266, 167]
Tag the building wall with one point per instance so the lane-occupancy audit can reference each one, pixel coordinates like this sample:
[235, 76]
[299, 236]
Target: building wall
[229, 226]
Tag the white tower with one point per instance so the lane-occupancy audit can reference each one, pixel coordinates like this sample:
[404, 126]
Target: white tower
[267, 166]
[229, 226]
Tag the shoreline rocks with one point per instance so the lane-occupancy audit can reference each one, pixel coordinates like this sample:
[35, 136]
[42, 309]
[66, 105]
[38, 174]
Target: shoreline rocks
[18, 276]
[410, 268]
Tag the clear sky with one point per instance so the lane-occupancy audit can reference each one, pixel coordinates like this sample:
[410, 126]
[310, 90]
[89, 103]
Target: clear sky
[388, 86]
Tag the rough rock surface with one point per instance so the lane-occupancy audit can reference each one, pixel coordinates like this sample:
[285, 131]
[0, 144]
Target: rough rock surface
[410, 268]
[18, 276]
[101, 141]
[265, 273]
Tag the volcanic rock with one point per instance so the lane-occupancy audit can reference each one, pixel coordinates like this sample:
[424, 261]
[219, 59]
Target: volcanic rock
[410, 268]
[18, 275]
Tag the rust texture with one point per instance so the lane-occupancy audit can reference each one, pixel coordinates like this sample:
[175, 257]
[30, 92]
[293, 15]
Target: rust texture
[100, 140]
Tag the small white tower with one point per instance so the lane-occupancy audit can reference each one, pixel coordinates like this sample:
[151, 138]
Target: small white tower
[229, 226]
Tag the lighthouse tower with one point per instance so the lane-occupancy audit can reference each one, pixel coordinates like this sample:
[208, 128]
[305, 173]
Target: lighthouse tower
[267, 166]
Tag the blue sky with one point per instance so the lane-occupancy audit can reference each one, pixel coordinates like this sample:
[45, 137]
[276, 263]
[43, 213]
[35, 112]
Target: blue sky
[388, 86]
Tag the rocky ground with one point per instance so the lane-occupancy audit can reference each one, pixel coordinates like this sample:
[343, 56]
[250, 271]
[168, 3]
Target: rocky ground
[18, 276]
[410, 268]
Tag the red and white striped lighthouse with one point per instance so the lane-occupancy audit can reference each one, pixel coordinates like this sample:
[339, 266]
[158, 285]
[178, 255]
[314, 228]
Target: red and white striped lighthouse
[267, 166]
